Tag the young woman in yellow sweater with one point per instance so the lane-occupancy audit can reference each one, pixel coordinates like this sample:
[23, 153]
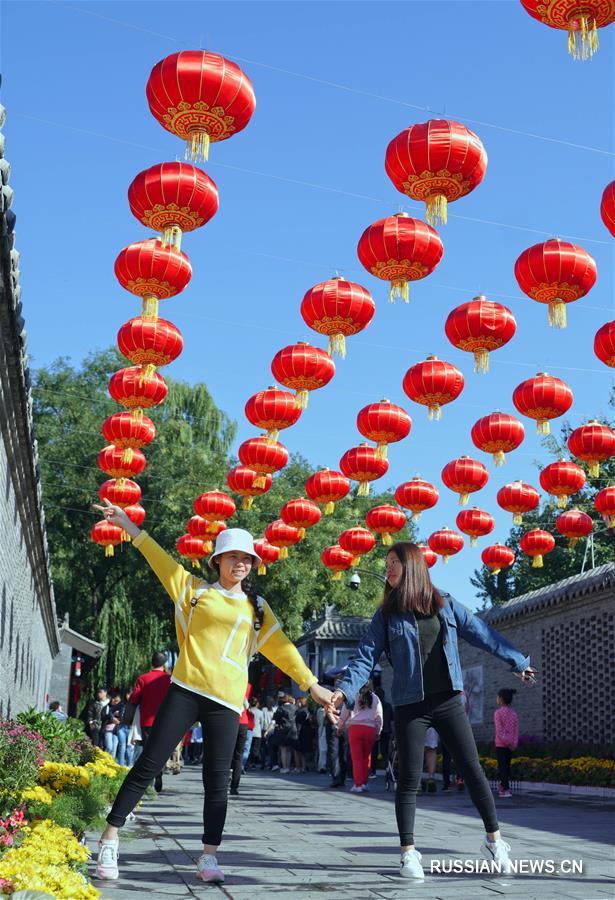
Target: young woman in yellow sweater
[219, 627]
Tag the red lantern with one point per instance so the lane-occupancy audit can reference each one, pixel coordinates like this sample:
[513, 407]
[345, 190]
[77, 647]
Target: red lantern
[214, 506]
[399, 250]
[173, 197]
[263, 456]
[604, 344]
[604, 501]
[111, 461]
[593, 443]
[268, 554]
[542, 398]
[497, 557]
[562, 479]
[283, 536]
[445, 543]
[580, 20]
[607, 207]
[272, 410]
[337, 560]
[480, 327]
[191, 548]
[436, 162]
[302, 368]
[555, 272]
[201, 97]
[464, 476]
[384, 423]
[429, 556]
[475, 523]
[338, 308]
[363, 464]
[300, 514]
[537, 543]
[433, 383]
[124, 432]
[518, 498]
[242, 480]
[132, 388]
[416, 495]
[120, 491]
[327, 487]
[150, 343]
[107, 535]
[498, 434]
[205, 529]
[136, 514]
[385, 520]
[574, 525]
[152, 272]
[357, 541]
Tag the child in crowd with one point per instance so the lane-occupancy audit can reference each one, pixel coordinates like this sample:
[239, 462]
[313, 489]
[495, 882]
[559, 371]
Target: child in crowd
[506, 737]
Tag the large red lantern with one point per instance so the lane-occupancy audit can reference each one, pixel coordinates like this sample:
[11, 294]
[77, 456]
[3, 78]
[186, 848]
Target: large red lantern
[337, 560]
[498, 434]
[399, 250]
[120, 491]
[562, 479]
[446, 543]
[283, 536]
[604, 501]
[593, 443]
[555, 272]
[150, 342]
[580, 19]
[263, 456]
[152, 272]
[363, 464]
[111, 461]
[384, 423]
[607, 207]
[465, 476]
[475, 523]
[300, 514]
[173, 197]
[214, 506]
[542, 398]
[480, 327]
[357, 541]
[205, 529]
[327, 487]
[436, 162]
[272, 410]
[416, 495]
[136, 390]
[242, 480]
[302, 368]
[518, 498]
[338, 308]
[433, 383]
[201, 97]
[574, 525]
[122, 430]
[107, 535]
[429, 556]
[604, 344]
[497, 557]
[191, 548]
[136, 514]
[385, 520]
[537, 543]
[268, 554]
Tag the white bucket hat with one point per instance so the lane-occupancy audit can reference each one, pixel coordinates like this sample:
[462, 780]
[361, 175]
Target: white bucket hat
[235, 539]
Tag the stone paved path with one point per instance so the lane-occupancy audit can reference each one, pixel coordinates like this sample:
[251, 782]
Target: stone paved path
[290, 837]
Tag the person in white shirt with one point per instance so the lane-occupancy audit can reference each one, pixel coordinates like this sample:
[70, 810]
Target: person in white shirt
[257, 733]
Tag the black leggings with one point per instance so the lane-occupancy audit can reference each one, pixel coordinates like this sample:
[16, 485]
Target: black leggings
[179, 710]
[504, 755]
[446, 714]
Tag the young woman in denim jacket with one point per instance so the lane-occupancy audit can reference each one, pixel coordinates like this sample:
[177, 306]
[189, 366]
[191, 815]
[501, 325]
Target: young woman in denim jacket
[419, 628]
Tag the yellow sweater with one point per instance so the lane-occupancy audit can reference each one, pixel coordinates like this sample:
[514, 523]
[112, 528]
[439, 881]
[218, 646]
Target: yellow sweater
[216, 635]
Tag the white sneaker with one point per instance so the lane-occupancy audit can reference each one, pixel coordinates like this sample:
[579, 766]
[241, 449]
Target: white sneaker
[275, 768]
[354, 789]
[364, 789]
[410, 865]
[497, 851]
[208, 870]
[284, 771]
[106, 864]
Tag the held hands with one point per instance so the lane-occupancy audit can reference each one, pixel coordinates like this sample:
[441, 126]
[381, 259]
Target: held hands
[116, 516]
[321, 695]
[333, 708]
[528, 676]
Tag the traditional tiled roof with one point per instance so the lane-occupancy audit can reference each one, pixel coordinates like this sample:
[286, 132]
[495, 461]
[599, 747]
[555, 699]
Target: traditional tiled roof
[347, 628]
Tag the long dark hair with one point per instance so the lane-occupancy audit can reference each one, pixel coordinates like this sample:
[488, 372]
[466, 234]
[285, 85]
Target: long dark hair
[366, 697]
[252, 594]
[415, 592]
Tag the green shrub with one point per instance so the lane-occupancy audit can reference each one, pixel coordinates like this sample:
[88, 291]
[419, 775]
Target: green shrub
[66, 741]
[21, 752]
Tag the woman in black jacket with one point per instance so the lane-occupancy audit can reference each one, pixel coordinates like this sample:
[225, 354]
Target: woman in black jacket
[286, 731]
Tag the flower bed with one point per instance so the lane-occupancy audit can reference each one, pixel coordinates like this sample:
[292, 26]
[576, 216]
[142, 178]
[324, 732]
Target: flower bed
[583, 770]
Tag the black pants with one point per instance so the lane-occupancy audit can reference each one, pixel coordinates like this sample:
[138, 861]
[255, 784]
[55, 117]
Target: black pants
[179, 710]
[337, 763]
[255, 751]
[447, 764]
[381, 748]
[504, 756]
[240, 743]
[446, 714]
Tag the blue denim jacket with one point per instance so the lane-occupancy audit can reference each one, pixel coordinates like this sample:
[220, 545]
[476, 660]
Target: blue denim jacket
[457, 621]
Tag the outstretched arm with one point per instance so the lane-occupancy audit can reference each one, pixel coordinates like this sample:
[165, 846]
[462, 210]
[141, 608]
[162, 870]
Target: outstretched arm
[476, 631]
[361, 667]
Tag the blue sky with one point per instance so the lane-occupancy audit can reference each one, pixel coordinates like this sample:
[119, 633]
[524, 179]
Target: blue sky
[334, 83]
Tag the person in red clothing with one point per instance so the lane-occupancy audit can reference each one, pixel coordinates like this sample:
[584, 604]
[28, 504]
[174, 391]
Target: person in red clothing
[150, 690]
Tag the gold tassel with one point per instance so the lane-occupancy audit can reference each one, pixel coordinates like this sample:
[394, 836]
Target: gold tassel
[481, 361]
[543, 426]
[301, 398]
[149, 307]
[247, 502]
[329, 508]
[445, 560]
[207, 546]
[562, 501]
[337, 576]
[260, 481]
[517, 519]
[610, 521]
[109, 550]
[499, 458]
[463, 498]
[473, 541]
[416, 515]
[283, 552]
[381, 451]
[120, 482]
[363, 489]
[594, 468]
[197, 146]
[557, 314]
[127, 455]
[386, 538]
[537, 562]
[262, 569]
[146, 372]
[125, 537]
[172, 237]
[356, 560]
[272, 436]
[436, 208]
[572, 542]
[589, 39]
[496, 571]
[399, 289]
[337, 345]
[195, 564]
[136, 415]
[301, 533]
[435, 412]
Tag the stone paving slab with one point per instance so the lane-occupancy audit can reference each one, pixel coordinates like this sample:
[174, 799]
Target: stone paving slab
[291, 837]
